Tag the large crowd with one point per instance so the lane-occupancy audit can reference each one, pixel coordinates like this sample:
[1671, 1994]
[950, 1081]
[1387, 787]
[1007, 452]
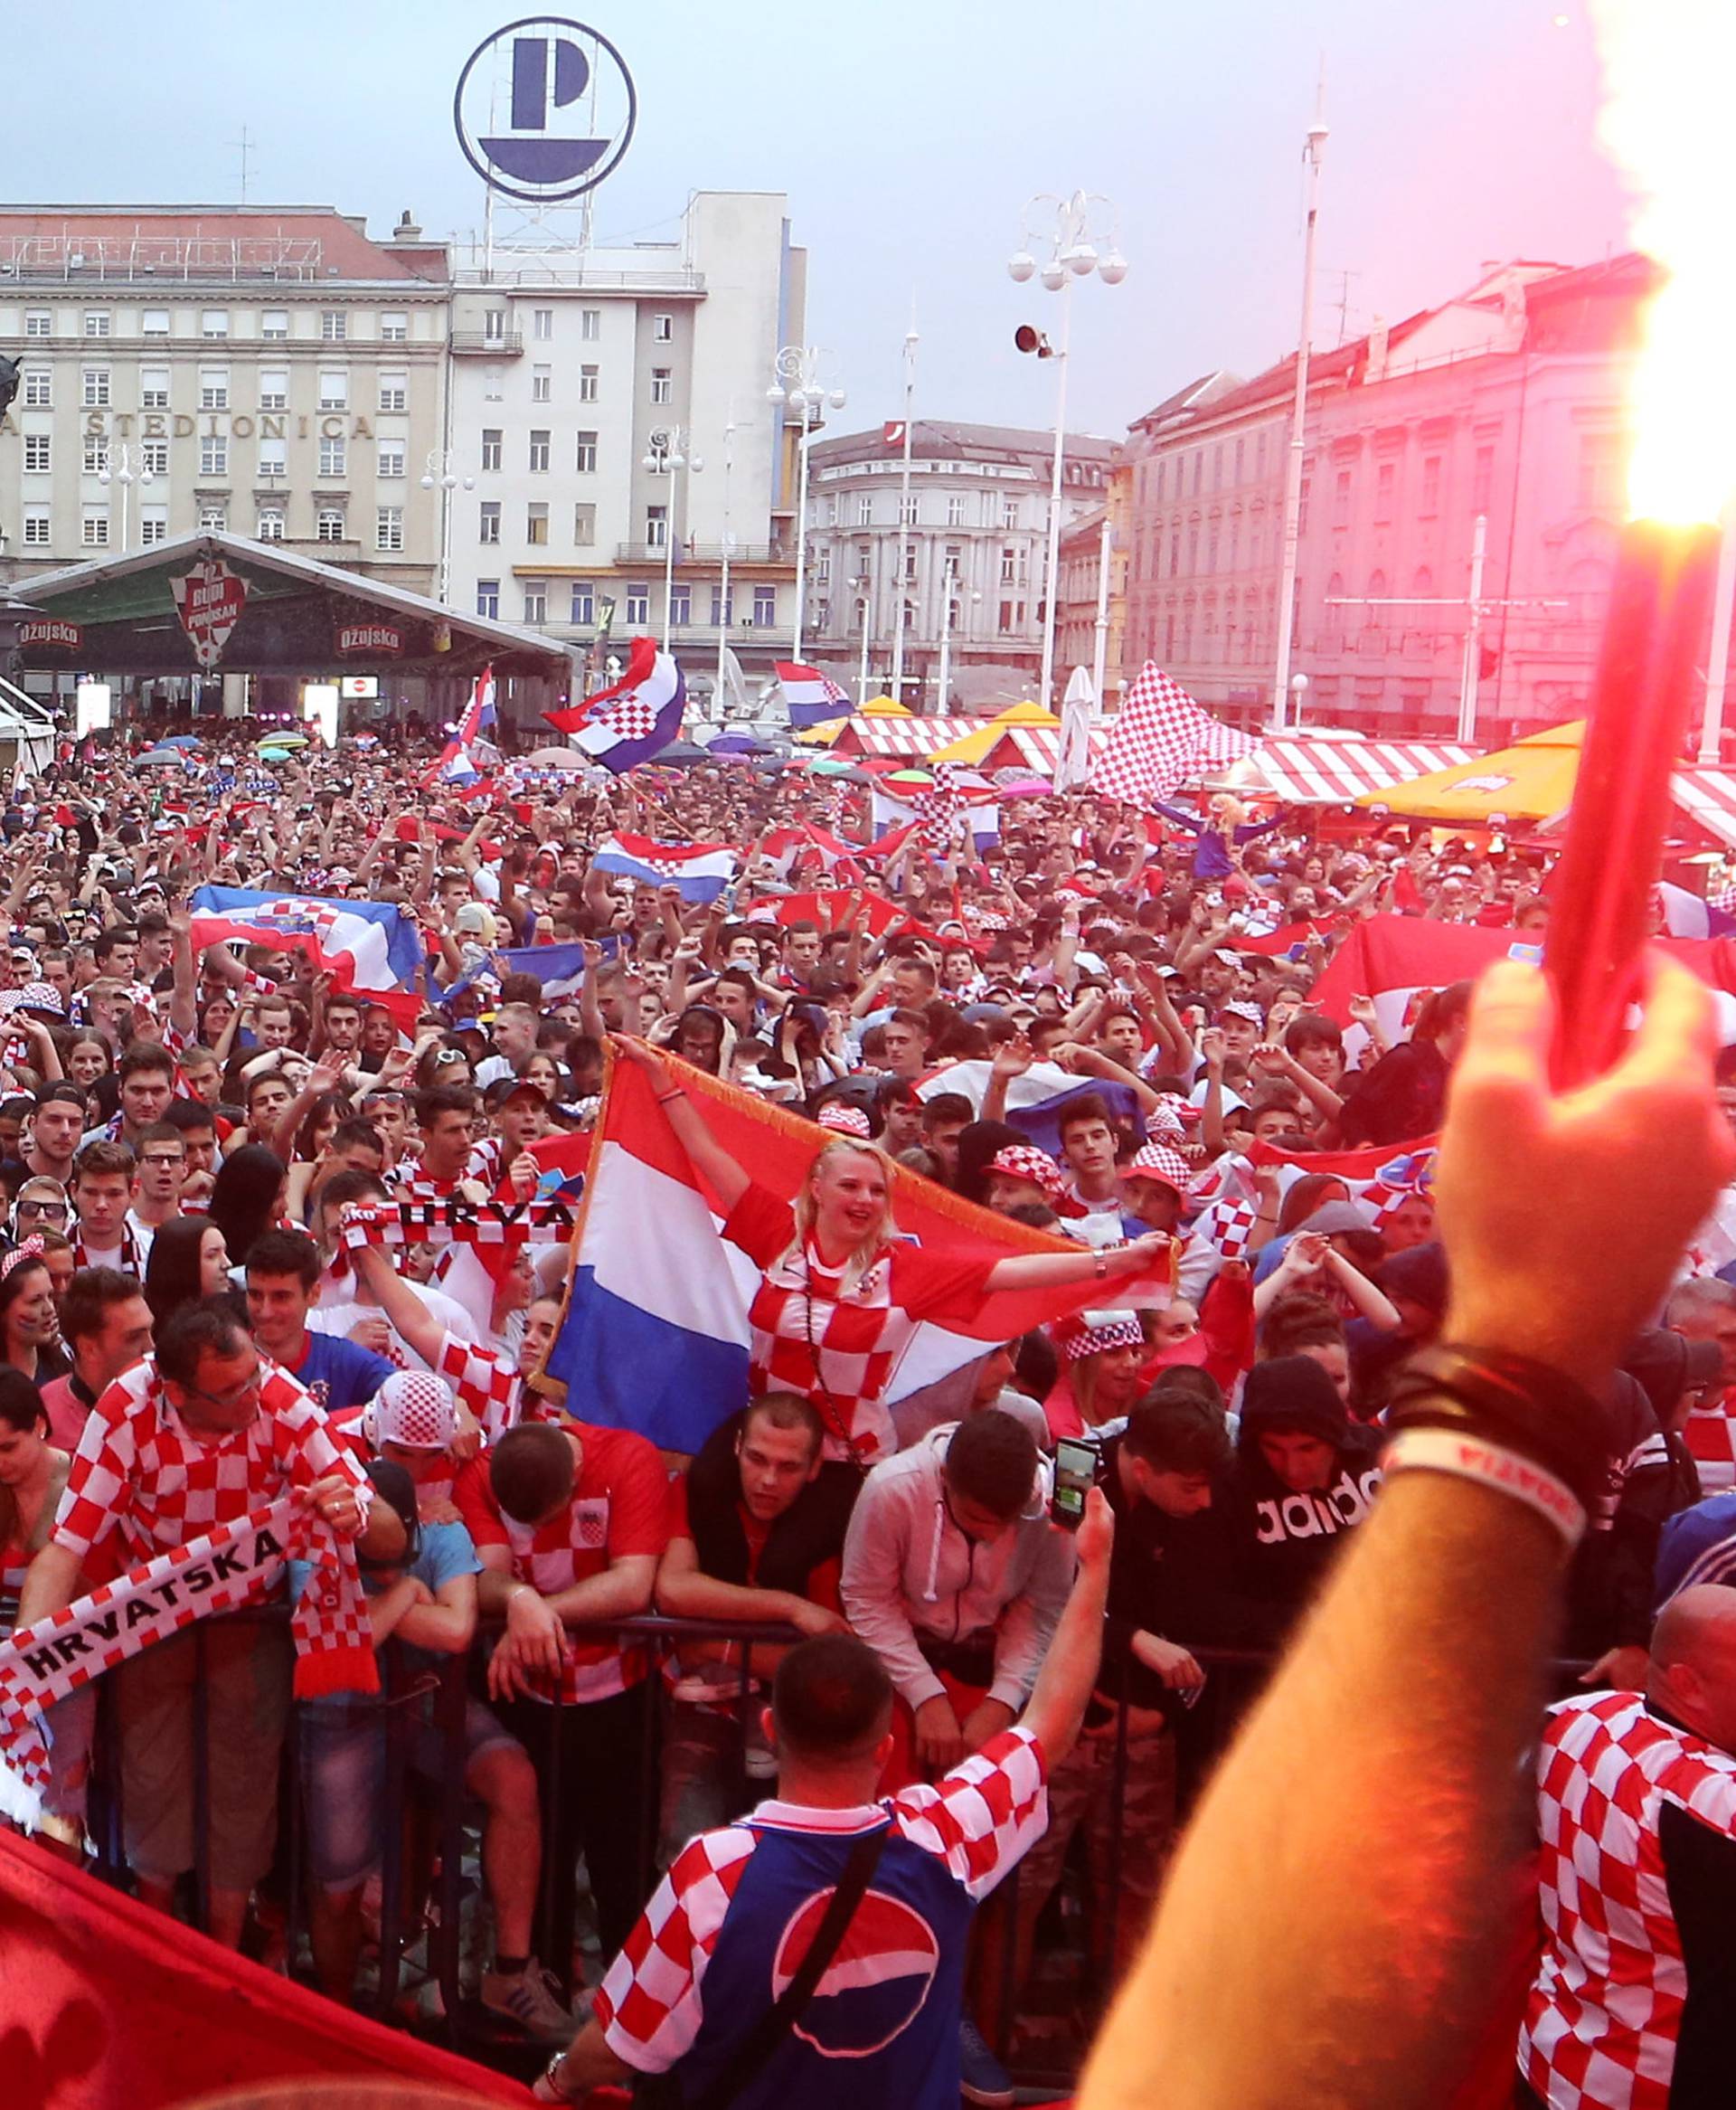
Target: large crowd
[1098, 1025]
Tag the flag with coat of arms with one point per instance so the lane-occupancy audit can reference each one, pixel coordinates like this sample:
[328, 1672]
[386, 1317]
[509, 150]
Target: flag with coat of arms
[371, 949]
[635, 718]
[471, 751]
[811, 696]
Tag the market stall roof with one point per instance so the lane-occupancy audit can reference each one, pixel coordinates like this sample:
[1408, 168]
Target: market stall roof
[1530, 781]
[865, 734]
[1331, 768]
[975, 746]
[1708, 796]
[119, 615]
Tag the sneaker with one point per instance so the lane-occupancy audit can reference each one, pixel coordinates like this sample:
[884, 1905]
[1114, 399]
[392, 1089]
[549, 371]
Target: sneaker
[532, 1999]
[982, 2078]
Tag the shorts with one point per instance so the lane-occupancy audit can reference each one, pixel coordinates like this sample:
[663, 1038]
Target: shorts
[342, 1750]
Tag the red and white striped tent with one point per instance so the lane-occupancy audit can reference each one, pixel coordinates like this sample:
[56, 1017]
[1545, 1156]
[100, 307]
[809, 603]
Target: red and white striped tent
[1708, 796]
[1331, 768]
[886, 736]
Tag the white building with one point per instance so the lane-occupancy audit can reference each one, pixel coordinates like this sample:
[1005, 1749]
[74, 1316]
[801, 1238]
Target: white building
[569, 369]
[267, 370]
[967, 557]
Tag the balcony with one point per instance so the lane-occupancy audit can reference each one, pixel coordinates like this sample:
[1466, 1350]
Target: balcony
[481, 345]
[743, 552]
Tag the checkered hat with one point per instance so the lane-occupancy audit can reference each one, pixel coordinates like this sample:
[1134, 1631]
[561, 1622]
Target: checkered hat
[848, 1121]
[416, 1409]
[1159, 1161]
[1170, 1118]
[1026, 1161]
[1239, 1007]
[41, 996]
[1093, 1331]
[30, 1248]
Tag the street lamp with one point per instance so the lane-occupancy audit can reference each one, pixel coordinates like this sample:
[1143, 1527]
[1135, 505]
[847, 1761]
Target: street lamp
[125, 465]
[439, 471]
[948, 617]
[670, 452]
[1079, 242]
[802, 365]
[861, 586]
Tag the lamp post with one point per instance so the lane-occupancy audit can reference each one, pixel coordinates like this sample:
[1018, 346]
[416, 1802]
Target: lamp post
[802, 365]
[1312, 149]
[125, 465]
[670, 452]
[1078, 245]
[944, 684]
[904, 521]
[439, 471]
[728, 547]
[861, 585]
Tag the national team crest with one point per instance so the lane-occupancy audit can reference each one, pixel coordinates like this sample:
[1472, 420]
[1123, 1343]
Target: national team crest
[208, 600]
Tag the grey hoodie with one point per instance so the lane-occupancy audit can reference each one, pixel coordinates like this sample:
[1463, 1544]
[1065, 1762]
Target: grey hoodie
[909, 1569]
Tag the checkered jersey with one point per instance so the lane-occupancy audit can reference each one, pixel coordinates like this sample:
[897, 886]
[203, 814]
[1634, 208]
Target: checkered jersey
[1601, 2022]
[139, 1469]
[951, 1844]
[1710, 1433]
[488, 1384]
[835, 1346]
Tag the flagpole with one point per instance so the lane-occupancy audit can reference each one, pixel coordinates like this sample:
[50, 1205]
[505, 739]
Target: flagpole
[1101, 653]
[903, 515]
[723, 604]
[1312, 150]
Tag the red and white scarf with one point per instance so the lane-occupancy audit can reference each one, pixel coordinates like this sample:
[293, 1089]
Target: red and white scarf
[230, 1565]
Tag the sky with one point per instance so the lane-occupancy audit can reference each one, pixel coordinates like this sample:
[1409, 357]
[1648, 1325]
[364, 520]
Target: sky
[909, 136]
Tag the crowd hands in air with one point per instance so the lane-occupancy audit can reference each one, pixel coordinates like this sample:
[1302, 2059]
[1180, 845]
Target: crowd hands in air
[186, 1126]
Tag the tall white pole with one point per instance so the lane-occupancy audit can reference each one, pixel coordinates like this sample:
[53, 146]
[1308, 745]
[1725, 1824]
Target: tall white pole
[801, 528]
[947, 585]
[1101, 653]
[1312, 152]
[724, 601]
[865, 607]
[669, 550]
[1718, 664]
[903, 523]
[1469, 674]
[1052, 570]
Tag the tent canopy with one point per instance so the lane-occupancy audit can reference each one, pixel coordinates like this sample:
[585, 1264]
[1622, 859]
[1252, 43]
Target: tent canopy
[1319, 768]
[1530, 781]
[886, 707]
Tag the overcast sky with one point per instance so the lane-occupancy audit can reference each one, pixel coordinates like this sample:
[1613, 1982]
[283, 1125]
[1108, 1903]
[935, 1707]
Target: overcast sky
[909, 135]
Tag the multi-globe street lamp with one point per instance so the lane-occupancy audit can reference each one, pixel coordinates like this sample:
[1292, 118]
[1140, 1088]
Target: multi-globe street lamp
[797, 379]
[669, 453]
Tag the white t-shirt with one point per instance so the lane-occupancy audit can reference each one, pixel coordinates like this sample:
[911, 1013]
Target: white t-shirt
[330, 1317]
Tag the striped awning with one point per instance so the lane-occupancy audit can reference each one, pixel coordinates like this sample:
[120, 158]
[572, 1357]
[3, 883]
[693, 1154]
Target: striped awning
[1332, 771]
[900, 736]
[1708, 796]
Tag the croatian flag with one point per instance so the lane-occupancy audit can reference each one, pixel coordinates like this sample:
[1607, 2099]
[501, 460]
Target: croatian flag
[811, 696]
[561, 969]
[700, 870]
[371, 949]
[1036, 1100]
[1379, 1175]
[636, 718]
[471, 748]
[654, 1337]
[894, 819]
[788, 847]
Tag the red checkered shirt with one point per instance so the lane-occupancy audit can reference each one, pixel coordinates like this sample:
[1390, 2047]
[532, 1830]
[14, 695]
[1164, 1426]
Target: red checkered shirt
[839, 1347]
[1602, 2021]
[140, 1468]
[1710, 1433]
[977, 1822]
[619, 1508]
[487, 1381]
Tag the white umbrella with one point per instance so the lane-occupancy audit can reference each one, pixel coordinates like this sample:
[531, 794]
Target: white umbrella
[1077, 708]
[556, 758]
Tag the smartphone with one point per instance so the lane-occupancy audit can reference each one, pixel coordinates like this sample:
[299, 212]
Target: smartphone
[1078, 1463]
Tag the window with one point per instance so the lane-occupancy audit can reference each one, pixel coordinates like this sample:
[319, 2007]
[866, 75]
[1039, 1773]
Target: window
[394, 326]
[214, 516]
[95, 454]
[586, 461]
[638, 603]
[94, 527]
[584, 608]
[910, 564]
[543, 323]
[539, 458]
[488, 521]
[274, 324]
[1341, 498]
[213, 322]
[765, 607]
[389, 529]
[274, 388]
[96, 388]
[1175, 554]
[662, 385]
[656, 527]
[95, 325]
[36, 527]
[334, 458]
[39, 388]
[1009, 562]
[153, 455]
[394, 391]
[333, 391]
[865, 509]
[153, 524]
[584, 526]
[591, 323]
[722, 611]
[328, 522]
[392, 458]
[1601, 465]
[1302, 507]
[274, 460]
[536, 601]
[1386, 483]
[269, 524]
[536, 523]
[822, 572]
[1430, 484]
[1483, 479]
[154, 322]
[214, 455]
[1006, 615]
[488, 599]
[493, 326]
[907, 511]
[541, 380]
[334, 325]
[38, 323]
[214, 388]
[681, 605]
[587, 383]
[491, 447]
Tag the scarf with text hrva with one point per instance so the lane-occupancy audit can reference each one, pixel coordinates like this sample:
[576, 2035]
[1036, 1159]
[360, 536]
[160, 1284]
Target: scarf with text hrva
[230, 1565]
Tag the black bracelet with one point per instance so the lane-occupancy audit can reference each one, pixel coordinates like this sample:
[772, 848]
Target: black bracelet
[1526, 1405]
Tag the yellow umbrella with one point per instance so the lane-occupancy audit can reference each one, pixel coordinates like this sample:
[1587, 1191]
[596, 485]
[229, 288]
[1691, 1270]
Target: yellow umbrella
[823, 734]
[975, 747]
[1530, 781]
[885, 708]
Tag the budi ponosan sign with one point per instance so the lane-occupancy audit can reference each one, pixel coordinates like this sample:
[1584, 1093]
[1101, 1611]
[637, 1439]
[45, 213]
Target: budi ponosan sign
[208, 600]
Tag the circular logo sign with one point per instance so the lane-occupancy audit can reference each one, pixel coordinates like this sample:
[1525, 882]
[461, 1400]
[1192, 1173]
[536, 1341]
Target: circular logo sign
[544, 109]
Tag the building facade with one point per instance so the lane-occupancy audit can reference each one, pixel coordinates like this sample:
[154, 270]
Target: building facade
[963, 569]
[273, 371]
[1503, 406]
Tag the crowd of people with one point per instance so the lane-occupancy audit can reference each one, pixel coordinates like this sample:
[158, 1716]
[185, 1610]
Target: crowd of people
[1100, 1026]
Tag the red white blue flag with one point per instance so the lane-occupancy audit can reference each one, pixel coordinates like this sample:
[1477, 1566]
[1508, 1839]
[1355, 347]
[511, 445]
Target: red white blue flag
[700, 870]
[811, 696]
[371, 949]
[471, 751]
[633, 719]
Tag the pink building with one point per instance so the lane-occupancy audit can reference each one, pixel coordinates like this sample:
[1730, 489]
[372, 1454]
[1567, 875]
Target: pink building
[1505, 405]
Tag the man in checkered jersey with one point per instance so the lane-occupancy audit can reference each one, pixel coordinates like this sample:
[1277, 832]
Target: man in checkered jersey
[201, 1434]
[1634, 2006]
[733, 1918]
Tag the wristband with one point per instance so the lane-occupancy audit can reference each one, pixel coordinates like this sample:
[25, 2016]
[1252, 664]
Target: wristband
[1101, 1262]
[1491, 1465]
[663, 1097]
[1510, 1400]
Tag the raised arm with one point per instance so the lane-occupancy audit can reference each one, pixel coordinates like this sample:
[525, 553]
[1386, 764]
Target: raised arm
[408, 1316]
[706, 1154]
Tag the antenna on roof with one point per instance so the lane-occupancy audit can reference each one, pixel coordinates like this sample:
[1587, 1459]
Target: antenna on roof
[245, 144]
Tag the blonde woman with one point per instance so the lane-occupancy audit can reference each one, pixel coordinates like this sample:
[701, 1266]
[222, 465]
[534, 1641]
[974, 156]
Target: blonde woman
[840, 1294]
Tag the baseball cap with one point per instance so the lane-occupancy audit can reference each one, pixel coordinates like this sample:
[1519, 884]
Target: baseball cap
[413, 1408]
[69, 1093]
